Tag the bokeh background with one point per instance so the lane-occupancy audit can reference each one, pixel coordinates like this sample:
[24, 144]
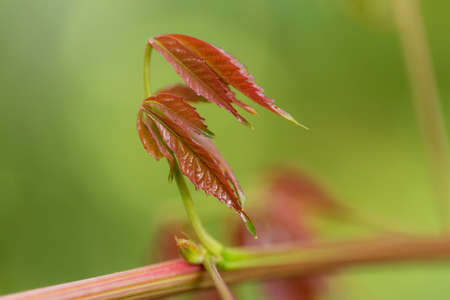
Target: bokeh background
[80, 197]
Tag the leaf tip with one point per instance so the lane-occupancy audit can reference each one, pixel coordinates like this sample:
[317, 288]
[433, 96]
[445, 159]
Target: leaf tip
[170, 177]
[294, 121]
[249, 125]
[251, 110]
[251, 228]
[208, 133]
[249, 224]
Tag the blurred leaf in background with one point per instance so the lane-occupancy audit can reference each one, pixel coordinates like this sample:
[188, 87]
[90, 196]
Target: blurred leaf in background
[79, 195]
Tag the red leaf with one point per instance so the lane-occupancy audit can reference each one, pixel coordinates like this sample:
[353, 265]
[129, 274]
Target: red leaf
[228, 172]
[184, 92]
[195, 162]
[148, 140]
[168, 126]
[196, 73]
[230, 71]
[178, 110]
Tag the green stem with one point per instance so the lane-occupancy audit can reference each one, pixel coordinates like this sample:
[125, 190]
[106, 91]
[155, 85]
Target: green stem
[231, 254]
[426, 100]
[208, 241]
[147, 54]
[221, 286]
[326, 252]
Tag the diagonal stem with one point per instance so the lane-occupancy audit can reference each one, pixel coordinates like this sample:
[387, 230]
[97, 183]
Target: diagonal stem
[207, 240]
[221, 286]
[426, 100]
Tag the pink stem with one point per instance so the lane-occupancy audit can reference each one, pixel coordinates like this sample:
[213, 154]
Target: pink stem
[177, 276]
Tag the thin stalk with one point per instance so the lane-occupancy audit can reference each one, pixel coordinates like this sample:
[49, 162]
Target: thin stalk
[177, 276]
[147, 85]
[373, 222]
[329, 253]
[221, 286]
[207, 240]
[426, 100]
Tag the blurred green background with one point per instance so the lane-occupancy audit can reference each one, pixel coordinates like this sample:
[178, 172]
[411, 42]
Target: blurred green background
[79, 195]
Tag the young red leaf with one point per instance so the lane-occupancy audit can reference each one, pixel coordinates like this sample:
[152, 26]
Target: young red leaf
[171, 126]
[184, 92]
[189, 95]
[185, 116]
[196, 73]
[230, 71]
[228, 172]
[195, 162]
[148, 140]
[178, 110]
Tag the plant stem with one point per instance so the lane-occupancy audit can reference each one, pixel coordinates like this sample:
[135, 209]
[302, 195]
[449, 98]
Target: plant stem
[399, 248]
[208, 241]
[426, 100]
[147, 55]
[177, 276]
[221, 286]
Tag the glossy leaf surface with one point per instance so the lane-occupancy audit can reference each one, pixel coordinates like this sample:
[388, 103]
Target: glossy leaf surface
[183, 91]
[179, 111]
[195, 161]
[196, 73]
[228, 69]
[231, 71]
[150, 143]
[226, 169]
